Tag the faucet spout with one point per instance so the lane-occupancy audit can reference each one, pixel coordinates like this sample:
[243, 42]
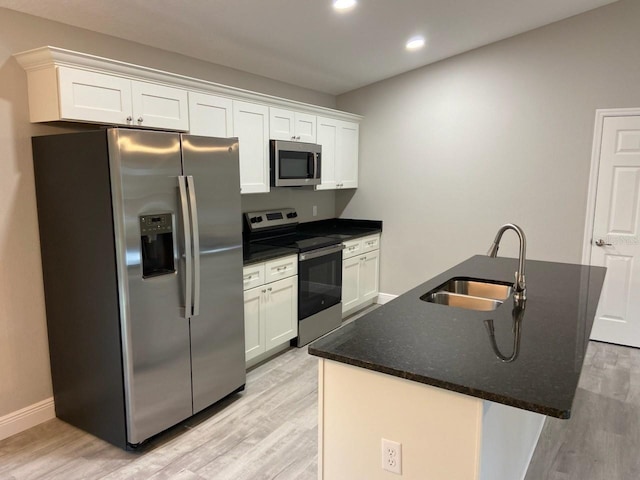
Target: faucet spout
[519, 287]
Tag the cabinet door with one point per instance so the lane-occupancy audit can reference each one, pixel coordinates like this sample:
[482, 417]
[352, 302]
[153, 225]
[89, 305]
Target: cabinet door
[350, 283]
[305, 127]
[290, 125]
[210, 115]
[254, 322]
[347, 157]
[281, 320]
[281, 124]
[159, 106]
[327, 133]
[251, 126]
[369, 273]
[94, 97]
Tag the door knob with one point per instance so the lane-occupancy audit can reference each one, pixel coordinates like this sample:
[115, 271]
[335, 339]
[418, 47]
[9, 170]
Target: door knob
[601, 243]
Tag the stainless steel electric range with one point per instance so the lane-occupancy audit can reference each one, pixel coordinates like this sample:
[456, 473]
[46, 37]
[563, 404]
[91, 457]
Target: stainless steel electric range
[319, 269]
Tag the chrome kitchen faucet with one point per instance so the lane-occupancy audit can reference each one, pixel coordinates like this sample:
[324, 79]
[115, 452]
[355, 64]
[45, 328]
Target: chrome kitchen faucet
[519, 287]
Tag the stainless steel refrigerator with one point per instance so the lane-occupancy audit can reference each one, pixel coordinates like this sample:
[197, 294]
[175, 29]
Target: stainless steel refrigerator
[142, 259]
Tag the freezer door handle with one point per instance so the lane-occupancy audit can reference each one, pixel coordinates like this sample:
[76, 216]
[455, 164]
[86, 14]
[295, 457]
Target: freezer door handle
[196, 244]
[188, 258]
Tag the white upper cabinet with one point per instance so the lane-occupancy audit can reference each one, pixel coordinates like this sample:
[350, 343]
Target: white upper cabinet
[251, 126]
[78, 87]
[347, 159]
[86, 96]
[210, 115]
[339, 140]
[290, 125]
[159, 106]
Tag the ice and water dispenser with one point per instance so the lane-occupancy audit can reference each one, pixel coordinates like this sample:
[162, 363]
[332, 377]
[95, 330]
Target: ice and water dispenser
[157, 244]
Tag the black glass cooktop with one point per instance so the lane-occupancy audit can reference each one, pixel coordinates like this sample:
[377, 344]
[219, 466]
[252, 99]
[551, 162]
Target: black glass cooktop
[300, 241]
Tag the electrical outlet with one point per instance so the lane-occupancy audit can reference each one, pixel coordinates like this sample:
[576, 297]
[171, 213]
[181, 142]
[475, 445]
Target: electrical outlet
[392, 456]
[315, 210]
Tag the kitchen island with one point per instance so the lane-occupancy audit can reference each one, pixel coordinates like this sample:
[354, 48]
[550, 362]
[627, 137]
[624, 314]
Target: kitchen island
[465, 392]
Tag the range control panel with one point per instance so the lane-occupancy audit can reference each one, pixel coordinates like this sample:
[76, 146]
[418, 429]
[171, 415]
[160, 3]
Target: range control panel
[271, 218]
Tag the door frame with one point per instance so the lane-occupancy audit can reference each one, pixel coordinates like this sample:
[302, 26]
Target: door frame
[601, 114]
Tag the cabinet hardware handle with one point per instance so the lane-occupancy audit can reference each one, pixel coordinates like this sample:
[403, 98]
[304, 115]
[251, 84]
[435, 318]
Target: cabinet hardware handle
[269, 289]
[140, 119]
[129, 119]
[264, 291]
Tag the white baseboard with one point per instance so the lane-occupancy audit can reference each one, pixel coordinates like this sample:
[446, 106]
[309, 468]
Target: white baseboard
[27, 417]
[384, 298]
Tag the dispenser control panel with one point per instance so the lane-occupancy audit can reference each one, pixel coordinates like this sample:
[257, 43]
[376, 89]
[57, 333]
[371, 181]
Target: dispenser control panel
[156, 239]
[159, 223]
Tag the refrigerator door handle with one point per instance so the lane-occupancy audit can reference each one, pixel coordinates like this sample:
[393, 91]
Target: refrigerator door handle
[188, 258]
[196, 245]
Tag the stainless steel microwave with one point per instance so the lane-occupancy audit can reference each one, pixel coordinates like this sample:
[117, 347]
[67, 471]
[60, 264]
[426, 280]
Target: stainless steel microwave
[295, 164]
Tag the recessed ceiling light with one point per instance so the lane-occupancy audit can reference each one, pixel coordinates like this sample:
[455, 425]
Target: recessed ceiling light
[343, 5]
[415, 43]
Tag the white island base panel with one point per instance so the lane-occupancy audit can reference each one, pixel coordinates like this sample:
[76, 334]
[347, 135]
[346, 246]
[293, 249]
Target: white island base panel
[444, 435]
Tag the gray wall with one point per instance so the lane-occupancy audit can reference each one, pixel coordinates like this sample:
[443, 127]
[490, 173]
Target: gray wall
[303, 199]
[24, 361]
[501, 134]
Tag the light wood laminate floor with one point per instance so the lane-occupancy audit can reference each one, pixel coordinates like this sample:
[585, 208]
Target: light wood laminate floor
[601, 440]
[270, 432]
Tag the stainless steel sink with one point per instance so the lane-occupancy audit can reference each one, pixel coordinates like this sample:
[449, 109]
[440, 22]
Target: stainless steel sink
[463, 301]
[472, 294]
[477, 288]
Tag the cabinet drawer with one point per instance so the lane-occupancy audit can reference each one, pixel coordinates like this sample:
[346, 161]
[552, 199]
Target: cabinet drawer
[253, 276]
[281, 268]
[372, 242]
[351, 248]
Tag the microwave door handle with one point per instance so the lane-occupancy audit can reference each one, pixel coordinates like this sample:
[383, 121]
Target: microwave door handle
[188, 259]
[196, 245]
[315, 165]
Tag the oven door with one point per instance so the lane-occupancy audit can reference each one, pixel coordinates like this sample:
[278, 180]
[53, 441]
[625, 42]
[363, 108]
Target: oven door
[319, 280]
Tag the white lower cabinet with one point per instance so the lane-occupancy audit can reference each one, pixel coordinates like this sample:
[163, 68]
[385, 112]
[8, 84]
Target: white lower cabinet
[270, 309]
[281, 312]
[360, 273]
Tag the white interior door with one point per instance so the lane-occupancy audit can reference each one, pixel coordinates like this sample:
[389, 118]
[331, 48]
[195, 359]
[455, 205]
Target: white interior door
[616, 235]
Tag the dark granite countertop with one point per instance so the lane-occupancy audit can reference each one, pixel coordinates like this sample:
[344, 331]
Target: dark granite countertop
[256, 253]
[451, 348]
[344, 229]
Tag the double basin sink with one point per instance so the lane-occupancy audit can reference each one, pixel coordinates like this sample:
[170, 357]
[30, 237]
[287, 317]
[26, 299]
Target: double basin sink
[470, 293]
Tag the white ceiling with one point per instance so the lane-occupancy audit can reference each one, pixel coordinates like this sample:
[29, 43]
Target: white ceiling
[304, 42]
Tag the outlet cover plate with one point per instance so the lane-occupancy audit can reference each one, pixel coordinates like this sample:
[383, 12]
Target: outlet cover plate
[391, 456]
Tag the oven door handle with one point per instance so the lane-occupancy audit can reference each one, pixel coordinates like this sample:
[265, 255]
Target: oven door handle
[321, 252]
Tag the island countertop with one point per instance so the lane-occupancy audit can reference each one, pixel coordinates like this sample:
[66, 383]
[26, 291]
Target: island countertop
[451, 348]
